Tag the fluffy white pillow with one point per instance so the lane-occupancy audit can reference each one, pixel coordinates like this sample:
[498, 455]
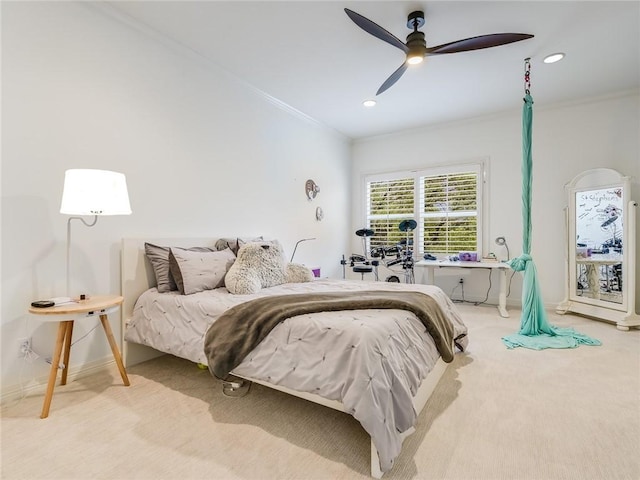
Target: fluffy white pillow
[262, 265]
[297, 273]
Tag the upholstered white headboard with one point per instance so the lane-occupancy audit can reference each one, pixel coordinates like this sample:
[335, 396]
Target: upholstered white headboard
[136, 277]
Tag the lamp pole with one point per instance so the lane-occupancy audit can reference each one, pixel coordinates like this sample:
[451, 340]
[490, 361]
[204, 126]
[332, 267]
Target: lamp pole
[95, 219]
[296, 247]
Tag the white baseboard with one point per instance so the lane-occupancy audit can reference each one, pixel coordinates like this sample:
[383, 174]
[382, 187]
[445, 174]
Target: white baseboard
[39, 385]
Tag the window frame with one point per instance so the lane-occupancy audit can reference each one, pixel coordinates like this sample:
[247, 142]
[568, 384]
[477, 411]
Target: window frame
[480, 167]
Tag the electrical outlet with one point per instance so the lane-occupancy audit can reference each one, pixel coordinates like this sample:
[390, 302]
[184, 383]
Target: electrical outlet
[24, 346]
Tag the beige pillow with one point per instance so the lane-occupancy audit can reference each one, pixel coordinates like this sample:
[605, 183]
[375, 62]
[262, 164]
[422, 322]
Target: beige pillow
[159, 258]
[198, 271]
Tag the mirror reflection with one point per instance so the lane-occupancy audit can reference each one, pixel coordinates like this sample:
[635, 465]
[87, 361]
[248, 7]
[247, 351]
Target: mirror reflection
[599, 248]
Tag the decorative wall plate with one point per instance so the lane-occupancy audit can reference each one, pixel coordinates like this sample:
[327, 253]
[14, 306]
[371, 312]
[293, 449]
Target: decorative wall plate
[311, 189]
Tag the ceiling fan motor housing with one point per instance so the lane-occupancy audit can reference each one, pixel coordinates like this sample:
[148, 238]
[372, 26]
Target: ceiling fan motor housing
[417, 45]
[416, 42]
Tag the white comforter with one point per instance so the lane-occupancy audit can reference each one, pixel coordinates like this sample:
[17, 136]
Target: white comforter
[373, 361]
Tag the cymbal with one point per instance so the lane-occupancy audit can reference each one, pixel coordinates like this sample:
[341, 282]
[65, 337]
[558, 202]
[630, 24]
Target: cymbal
[365, 232]
[407, 225]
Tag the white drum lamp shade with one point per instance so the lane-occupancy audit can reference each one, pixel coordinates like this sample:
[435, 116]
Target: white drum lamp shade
[95, 192]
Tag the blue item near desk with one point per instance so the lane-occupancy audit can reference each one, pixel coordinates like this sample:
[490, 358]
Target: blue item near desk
[468, 256]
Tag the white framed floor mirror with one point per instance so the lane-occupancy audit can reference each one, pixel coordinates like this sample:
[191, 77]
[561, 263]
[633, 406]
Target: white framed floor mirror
[601, 248]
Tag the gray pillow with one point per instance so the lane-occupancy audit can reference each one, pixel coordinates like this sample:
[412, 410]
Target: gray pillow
[235, 243]
[159, 258]
[198, 271]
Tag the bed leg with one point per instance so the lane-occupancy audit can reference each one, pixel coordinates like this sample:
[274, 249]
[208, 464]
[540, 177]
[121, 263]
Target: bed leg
[375, 462]
[236, 387]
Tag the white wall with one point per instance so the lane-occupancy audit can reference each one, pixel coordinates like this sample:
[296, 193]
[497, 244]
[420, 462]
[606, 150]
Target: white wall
[204, 155]
[567, 139]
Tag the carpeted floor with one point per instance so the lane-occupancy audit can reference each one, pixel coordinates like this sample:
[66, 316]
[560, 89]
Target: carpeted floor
[496, 414]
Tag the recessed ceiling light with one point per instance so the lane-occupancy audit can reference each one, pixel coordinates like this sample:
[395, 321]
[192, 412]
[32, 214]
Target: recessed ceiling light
[553, 58]
[369, 103]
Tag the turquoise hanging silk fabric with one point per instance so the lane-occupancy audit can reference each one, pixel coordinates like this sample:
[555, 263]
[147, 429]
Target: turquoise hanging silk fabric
[535, 332]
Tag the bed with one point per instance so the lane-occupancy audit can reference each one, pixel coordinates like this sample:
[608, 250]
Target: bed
[384, 365]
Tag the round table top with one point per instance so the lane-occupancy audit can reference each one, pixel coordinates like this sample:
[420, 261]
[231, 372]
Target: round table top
[97, 302]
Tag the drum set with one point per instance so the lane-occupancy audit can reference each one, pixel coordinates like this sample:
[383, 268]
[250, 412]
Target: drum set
[399, 254]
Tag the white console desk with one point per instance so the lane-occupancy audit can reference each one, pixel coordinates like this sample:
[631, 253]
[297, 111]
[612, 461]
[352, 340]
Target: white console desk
[502, 268]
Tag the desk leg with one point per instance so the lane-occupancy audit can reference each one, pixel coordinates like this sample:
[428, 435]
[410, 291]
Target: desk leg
[502, 297]
[67, 350]
[430, 275]
[114, 349]
[53, 373]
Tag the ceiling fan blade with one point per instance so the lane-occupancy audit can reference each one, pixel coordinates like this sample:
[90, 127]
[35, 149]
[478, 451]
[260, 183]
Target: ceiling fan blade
[476, 43]
[376, 30]
[395, 76]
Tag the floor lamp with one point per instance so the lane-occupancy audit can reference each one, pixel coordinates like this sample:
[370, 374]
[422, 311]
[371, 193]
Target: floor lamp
[92, 192]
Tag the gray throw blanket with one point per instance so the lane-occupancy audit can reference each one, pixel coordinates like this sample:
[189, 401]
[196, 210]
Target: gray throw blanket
[241, 328]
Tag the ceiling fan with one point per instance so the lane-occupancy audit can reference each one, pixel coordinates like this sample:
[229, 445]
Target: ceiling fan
[416, 47]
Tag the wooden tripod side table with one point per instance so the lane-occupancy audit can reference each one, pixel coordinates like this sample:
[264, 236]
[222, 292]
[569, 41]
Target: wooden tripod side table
[99, 305]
